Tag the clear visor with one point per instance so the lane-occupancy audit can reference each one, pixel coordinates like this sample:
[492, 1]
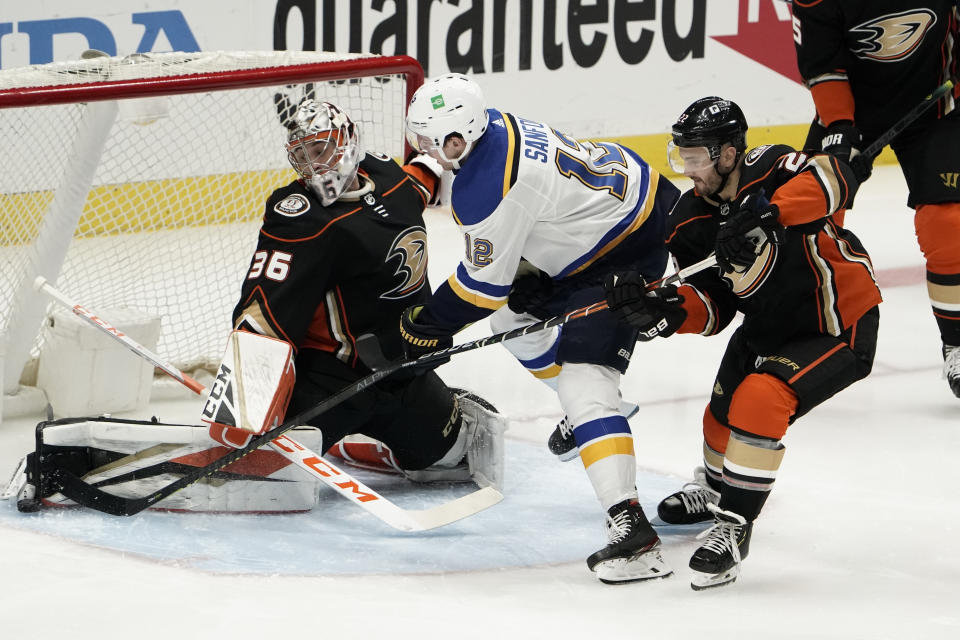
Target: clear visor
[315, 154]
[688, 159]
[421, 143]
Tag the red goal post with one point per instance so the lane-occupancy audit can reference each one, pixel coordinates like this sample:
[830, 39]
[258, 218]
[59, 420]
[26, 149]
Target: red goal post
[139, 181]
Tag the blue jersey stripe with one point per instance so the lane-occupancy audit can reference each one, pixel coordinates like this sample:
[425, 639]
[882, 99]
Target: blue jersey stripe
[484, 288]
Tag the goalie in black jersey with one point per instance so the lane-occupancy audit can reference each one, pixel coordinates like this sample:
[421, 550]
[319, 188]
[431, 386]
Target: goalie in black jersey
[805, 287]
[341, 253]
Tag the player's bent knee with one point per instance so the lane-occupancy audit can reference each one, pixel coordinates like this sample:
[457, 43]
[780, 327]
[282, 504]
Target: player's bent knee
[938, 233]
[762, 405]
[588, 391]
[715, 433]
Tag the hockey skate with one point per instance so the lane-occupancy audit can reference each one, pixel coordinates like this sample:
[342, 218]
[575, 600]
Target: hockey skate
[689, 505]
[633, 551]
[951, 367]
[717, 561]
[562, 443]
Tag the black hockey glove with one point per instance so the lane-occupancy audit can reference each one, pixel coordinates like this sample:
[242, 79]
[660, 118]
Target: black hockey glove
[420, 339]
[530, 292]
[743, 235]
[862, 167]
[655, 313]
[843, 140]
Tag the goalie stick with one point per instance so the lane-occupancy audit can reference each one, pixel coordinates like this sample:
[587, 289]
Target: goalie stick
[328, 473]
[87, 495]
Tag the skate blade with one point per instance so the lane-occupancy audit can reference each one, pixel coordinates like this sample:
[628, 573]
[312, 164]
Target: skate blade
[569, 455]
[702, 581]
[645, 566]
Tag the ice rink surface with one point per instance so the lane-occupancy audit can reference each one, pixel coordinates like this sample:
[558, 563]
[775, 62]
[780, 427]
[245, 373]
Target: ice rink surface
[858, 540]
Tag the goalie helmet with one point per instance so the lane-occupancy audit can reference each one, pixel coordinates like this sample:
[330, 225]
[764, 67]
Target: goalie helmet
[709, 122]
[323, 146]
[446, 105]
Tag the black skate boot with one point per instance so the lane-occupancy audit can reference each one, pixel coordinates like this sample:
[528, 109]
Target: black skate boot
[633, 551]
[689, 505]
[951, 367]
[717, 561]
[562, 443]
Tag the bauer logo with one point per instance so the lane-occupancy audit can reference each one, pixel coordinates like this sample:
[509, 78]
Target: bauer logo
[292, 205]
[437, 102]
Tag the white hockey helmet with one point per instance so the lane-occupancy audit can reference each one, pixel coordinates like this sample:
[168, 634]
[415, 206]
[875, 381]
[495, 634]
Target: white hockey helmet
[445, 105]
[324, 147]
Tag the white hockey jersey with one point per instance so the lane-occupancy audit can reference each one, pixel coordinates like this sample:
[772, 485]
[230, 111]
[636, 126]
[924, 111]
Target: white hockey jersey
[528, 191]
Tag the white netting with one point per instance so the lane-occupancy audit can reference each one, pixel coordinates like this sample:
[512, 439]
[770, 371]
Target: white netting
[170, 220]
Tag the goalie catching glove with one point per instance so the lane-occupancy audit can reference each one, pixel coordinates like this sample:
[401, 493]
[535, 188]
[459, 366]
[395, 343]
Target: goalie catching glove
[743, 235]
[655, 313]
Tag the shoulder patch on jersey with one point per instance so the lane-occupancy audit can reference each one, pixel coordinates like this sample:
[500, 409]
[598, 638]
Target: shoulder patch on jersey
[293, 205]
[755, 154]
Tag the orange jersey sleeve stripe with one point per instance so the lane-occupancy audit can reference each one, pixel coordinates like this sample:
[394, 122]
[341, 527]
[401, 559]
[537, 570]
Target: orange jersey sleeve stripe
[425, 177]
[834, 101]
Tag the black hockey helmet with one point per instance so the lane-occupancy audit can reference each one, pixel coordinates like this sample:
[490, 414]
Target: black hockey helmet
[711, 122]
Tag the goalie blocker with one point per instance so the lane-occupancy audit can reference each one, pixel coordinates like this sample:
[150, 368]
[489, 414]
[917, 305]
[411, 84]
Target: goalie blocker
[252, 389]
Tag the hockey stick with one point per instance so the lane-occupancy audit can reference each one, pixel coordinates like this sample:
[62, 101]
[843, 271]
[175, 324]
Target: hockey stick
[875, 147]
[329, 474]
[370, 353]
[81, 492]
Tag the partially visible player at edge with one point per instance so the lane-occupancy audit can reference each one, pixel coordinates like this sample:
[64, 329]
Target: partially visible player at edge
[867, 63]
[809, 300]
[536, 205]
[341, 252]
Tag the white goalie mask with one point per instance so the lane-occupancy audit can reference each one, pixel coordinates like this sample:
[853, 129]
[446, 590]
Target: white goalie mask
[448, 104]
[323, 146]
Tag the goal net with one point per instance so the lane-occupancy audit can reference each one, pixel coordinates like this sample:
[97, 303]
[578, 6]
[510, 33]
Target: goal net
[140, 181]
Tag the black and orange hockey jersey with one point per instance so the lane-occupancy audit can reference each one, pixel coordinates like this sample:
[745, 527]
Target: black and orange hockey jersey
[819, 280]
[322, 276]
[871, 61]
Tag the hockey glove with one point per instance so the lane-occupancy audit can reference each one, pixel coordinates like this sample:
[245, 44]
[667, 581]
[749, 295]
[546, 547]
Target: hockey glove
[530, 292]
[843, 140]
[655, 313]
[862, 167]
[420, 339]
[743, 235]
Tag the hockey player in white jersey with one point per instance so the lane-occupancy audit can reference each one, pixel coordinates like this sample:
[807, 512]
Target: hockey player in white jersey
[537, 206]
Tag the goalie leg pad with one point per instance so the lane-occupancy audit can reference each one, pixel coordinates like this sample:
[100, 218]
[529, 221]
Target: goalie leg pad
[133, 458]
[485, 429]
